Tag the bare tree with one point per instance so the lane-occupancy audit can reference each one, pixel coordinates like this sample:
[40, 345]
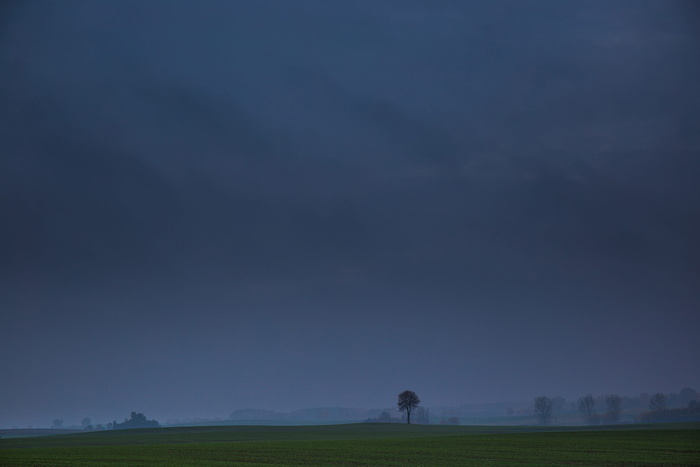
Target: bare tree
[613, 403]
[543, 409]
[408, 400]
[586, 405]
[657, 402]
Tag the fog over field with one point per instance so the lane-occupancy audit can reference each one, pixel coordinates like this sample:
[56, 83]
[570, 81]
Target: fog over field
[223, 205]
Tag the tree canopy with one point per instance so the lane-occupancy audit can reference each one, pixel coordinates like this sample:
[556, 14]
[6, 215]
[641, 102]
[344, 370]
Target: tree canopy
[408, 400]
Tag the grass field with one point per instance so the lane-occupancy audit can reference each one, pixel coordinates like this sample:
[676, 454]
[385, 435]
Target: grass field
[363, 444]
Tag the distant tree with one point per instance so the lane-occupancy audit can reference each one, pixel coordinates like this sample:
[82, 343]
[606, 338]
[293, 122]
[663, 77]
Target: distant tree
[137, 420]
[408, 400]
[543, 409]
[657, 402]
[586, 405]
[86, 421]
[57, 423]
[613, 402]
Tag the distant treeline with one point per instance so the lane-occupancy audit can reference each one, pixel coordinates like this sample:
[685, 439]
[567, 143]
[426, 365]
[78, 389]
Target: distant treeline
[602, 409]
[688, 414]
[673, 407]
[137, 420]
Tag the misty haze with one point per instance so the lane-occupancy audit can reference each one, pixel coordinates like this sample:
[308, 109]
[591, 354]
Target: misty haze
[290, 212]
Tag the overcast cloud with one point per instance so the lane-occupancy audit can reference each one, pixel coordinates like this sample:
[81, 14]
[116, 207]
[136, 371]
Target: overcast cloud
[208, 206]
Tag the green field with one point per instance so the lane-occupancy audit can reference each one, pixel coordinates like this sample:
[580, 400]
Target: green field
[363, 444]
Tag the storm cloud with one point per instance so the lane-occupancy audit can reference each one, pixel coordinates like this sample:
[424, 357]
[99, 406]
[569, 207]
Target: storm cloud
[281, 205]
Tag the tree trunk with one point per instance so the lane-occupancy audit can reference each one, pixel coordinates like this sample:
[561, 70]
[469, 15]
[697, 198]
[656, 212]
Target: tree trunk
[408, 418]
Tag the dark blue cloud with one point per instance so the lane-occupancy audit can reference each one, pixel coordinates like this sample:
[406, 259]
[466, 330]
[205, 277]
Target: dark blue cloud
[290, 200]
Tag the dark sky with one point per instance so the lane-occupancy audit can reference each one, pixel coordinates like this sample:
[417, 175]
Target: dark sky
[209, 206]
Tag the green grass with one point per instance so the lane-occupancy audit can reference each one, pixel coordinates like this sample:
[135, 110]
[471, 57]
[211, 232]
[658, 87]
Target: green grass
[363, 444]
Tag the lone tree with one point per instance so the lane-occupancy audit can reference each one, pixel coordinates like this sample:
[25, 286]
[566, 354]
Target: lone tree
[408, 400]
[543, 409]
[657, 402]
